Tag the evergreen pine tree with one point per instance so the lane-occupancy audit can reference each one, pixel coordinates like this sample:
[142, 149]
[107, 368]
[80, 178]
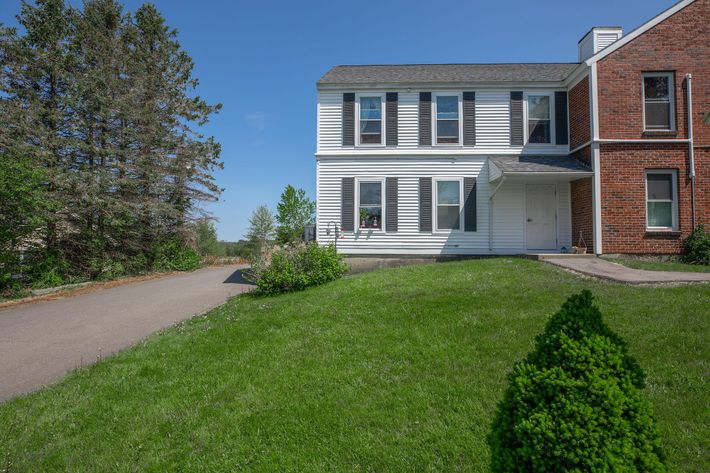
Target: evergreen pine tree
[576, 402]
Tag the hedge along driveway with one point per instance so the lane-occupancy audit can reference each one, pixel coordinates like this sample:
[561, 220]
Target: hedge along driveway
[395, 370]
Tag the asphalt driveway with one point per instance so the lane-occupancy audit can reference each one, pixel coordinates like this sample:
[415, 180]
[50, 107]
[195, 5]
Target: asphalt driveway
[40, 342]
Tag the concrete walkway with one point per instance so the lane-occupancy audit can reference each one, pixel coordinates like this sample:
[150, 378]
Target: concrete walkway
[600, 268]
[41, 341]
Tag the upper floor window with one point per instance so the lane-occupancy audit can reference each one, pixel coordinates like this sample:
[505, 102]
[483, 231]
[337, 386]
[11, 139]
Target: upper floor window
[658, 101]
[447, 119]
[371, 120]
[539, 123]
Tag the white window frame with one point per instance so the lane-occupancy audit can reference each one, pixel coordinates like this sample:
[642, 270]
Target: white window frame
[358, 96]
[526, 125]
[358, 180]
[671, 98]
[435, 207]
[674, 194]
[435, 138]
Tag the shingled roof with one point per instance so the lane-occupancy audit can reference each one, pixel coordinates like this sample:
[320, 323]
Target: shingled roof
[446, 73]
[527, 164]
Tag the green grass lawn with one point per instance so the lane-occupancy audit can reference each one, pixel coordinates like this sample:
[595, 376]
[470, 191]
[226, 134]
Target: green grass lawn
[660, 265]
[395, 370]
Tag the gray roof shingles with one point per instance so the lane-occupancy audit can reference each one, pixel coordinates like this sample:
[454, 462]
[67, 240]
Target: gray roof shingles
[538, 164]
[445, 73]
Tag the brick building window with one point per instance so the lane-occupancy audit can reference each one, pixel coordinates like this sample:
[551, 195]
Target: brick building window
[661, 200]
[658, 101]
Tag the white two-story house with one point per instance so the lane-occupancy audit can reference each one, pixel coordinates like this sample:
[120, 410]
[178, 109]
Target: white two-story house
[445, 159]
[611, 153]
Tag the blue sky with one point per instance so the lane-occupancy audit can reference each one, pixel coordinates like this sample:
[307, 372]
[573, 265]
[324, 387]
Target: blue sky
[261, 59]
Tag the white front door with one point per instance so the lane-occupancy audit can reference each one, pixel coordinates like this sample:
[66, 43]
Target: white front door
[541, 216]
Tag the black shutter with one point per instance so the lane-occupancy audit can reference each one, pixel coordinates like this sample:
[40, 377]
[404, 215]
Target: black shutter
[347, 205]
[469, 118]
[425, 118]
[349, 119]
[391, 190]
[425, 204]
[561, 118]
[516, 118]
[469, 207]
[391, 118]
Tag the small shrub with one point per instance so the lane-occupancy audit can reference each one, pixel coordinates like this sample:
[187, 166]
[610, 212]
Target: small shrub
[105, 269]
[47, 271]
[575, 403]
[696, 248]
[296, 268]
[137, 264]
[173, 255]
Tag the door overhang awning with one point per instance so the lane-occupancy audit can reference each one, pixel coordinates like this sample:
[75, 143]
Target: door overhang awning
[537, 168]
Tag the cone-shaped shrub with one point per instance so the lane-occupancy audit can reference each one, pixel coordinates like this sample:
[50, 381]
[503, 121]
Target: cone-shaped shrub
[575, 403]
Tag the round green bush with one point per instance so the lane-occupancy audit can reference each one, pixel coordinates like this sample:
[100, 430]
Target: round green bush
[575, 403]
[696, 248]
[173, 255]
[297, 268]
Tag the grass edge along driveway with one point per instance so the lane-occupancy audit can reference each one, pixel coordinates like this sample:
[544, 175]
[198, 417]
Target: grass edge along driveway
[398, 369]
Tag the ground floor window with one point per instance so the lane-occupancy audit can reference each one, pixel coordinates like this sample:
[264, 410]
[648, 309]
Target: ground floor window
[448, 204]
[661, 200]
[370, 204]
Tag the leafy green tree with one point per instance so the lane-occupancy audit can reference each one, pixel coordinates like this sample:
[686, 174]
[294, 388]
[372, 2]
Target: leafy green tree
[24, 209]
[576, 402]
[206, 238]
[262, 227]
[295, 212]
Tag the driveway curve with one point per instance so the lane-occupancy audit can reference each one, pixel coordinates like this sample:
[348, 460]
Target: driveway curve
[40, 342]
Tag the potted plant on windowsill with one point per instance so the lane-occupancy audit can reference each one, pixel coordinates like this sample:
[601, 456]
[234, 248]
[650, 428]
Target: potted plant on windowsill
[363, 218]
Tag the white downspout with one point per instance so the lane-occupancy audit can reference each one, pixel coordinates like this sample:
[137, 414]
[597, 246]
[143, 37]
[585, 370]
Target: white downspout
[490, 213]
[596, 162]
[691, 157]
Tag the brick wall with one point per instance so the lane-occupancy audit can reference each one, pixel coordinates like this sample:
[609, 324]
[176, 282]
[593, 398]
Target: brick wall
[581, 201]
[623, 168]
[579, 128]
[680, 44]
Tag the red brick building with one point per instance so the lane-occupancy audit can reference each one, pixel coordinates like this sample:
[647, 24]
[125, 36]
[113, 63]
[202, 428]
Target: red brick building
[639, 108]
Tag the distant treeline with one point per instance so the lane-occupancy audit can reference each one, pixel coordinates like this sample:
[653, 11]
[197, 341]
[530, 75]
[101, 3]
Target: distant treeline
[102, 166]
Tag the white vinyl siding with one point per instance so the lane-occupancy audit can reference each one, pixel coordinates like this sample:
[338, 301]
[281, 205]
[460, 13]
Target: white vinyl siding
[509, 207]
[492, 126]
[408, 120]
[493, 119]
[330, 121]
